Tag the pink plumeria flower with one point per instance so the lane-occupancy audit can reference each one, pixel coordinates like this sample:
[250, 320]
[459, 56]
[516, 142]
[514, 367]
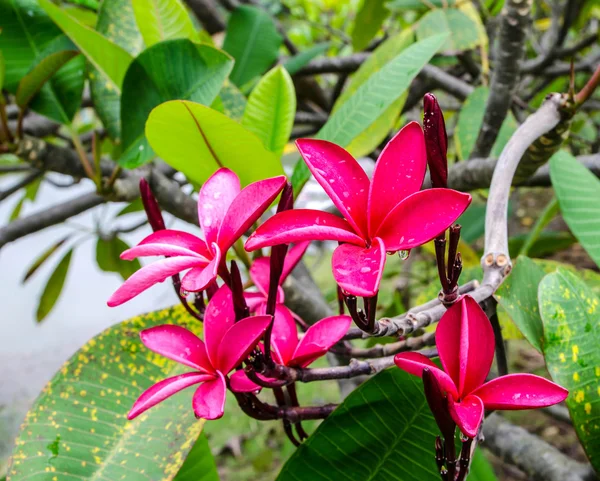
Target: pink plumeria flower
[226, 344]
[260, 273]
[225, 213]
[388, 213]
[465, 342]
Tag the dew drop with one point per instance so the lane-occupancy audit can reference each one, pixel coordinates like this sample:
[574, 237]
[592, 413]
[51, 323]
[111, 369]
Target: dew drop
[365, 269]
[403, 254]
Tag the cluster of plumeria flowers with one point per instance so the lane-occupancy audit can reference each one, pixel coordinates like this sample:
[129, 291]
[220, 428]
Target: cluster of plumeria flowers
[252, 327]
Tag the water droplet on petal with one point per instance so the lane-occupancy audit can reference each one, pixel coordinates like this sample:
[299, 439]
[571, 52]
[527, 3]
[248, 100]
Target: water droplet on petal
[365, 270]
[403, 254]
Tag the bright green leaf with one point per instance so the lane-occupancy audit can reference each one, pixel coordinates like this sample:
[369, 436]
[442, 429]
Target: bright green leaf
[199, 465]
[401, 5]
[2, 73]
[104, 55]
[160, 20]
[79, 423]
[518, 296]
[469, 122]
[295, 63]
[464, 33]
[207, 144]
[16, 212]
[372, 99]
[253, 41]
[108, 260]
[170, 70]
[271, 108]
[116, 22]
[547, 243]
[578, 193]
[54, 287]
[230, 101]
[43, 258]
[368, 21]
[570, 312]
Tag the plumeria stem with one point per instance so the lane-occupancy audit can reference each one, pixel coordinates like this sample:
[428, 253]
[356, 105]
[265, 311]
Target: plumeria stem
[382, 350]
[287, 426]
[237, 289]
[257, 409]
[465, 459]
[293, 396]
[489, 306]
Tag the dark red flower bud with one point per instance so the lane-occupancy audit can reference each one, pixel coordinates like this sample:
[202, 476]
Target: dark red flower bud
[237, 291]
[436, 141]
[151, 207]
[286, 201]
[438, 404]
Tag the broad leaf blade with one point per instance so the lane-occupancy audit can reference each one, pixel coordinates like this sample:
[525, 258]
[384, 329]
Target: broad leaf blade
[253, 41]
[367, 23]
[78, 429]
[199, 465]
[383, 430]
[108, 258]
[171, 70]
[160, 20]
[208, 144]
[518, 296]
[372, 99]
[230, 101]
[464, 33]
[271, 108]
[469, 122]
[571, 314]
[54, 287]
[578, 193]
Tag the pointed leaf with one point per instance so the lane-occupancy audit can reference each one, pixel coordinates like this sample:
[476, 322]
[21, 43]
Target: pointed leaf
[160, 20]
[108, 252]
[470, 119]
[43, 258]
[54, 287]
[464, 33]
[199, 465]
[368, 22]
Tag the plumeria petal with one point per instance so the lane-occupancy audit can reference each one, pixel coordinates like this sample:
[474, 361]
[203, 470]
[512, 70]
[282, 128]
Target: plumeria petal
[319, 338]
[421, 216]
[239, 340]
[285, 334]
[247, 207]
[260, 271]
[255, 300]
[467, 414]
[164, 389]
[465, 341]
[178, 344]
[302, 225]
[178, 238]
[358, 270]
[198, 279]
[219, 316]
[342, 178]
[293, 257]
[209, 399]
[239, 382]
[414, 363]
[156, 249]
[151, 274]
[214, 199]
[399, 172]
[520, 391]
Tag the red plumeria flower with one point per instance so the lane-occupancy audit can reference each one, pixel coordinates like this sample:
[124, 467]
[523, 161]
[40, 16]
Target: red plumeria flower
[260, 273]
[465, 342]
[385, 214]
[225, 213]
[226, 344]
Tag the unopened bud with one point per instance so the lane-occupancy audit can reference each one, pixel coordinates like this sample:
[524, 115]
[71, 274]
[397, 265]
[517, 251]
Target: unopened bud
[151, 207]
[286, 201]
[436, 141]
[438, 404]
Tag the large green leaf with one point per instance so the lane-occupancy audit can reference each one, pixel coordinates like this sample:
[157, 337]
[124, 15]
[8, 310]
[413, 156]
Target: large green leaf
[470, 119]
[208, 143]
[401, 5]
[571, 315]
[160, 20]
[54, 287]
[104, 55]
[28, 37]
[78, 428]
[230, 101]
[383, 430]
[171, 70]
[464, 33]
[372, 99]
[2, 73]
[253, 41]
[271, 108]
[578, 193]
[518, 295]
[117, 23]
[108, 258]
[199, 465]
[368, 21]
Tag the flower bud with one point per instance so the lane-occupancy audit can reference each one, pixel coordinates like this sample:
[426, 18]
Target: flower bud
[151, 207]
[436, 141]
[286, 201]
[438, 404]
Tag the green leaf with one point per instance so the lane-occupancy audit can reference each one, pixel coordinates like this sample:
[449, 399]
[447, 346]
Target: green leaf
[518, 295]
[230, 101]
[16, 212]
[372, 99]
[295, 63]
[507, 129]
[160, 20]
[78, 428]
[54, 287]
[170, 70]
[31, 84]
[104, 55]
[481, 469]
[464, 33]
[199, 465]
[108, 260]
[208, 144]
[400, 5]
[367, 23]
[2, 74]
[253, 41]
[469, 122]
[382, 430]
[472, 222]
[271, 108]
[571, 313]
[132, 207]
[547, 243]
[43, 258]
[578, 193]
[116, 22]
